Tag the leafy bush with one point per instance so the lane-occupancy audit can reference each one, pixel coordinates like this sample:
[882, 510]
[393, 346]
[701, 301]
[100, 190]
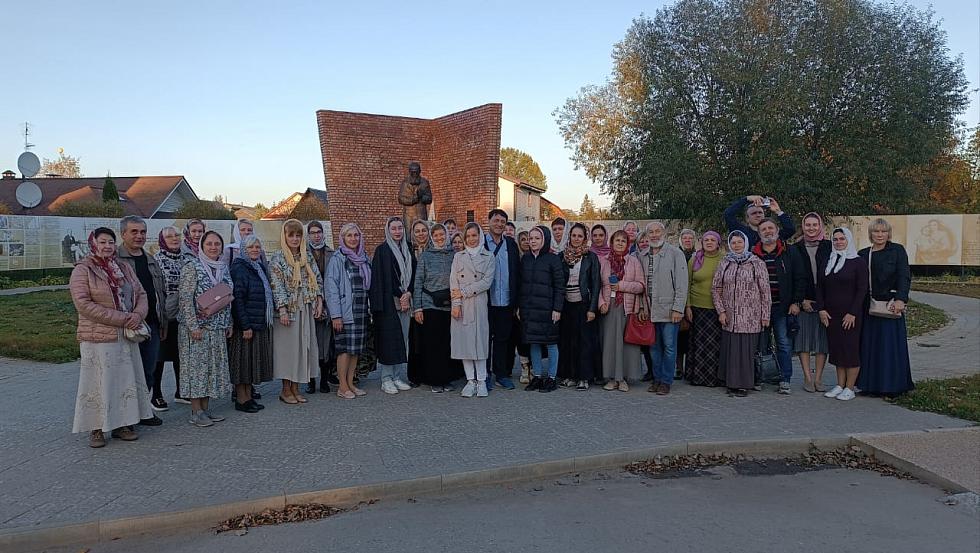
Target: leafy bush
[204, 209]
[88, 208]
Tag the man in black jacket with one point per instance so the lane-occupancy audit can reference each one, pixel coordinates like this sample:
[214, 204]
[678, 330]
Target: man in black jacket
[787, 282]
[502, 297]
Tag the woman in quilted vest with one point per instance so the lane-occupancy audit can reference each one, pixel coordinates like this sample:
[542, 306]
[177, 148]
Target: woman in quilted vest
[112, 392]
[623, 287]
[742, 297]
[202, 339]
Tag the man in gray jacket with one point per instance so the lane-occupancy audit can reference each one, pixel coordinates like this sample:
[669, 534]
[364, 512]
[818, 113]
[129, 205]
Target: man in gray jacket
[666, 277]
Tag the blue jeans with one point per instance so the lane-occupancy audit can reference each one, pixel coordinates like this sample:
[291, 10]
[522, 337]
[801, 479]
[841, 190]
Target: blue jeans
[664, 352]
[552, 360]
[784, 345]
[149, 353]
[394, 372]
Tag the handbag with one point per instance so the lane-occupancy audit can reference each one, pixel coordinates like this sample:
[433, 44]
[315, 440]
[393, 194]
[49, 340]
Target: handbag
[767, 369]
[879, 308]
[214, 299]
[440, 298]
[639, 332]
[139, 335]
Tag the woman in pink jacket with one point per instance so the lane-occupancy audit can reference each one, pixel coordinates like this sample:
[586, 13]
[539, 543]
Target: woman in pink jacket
[112, 393]
[743, 299]
[622, 294]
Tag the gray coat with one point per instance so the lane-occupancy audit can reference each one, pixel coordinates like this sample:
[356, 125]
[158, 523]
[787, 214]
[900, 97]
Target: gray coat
[471, 332]
[432, 274]
[337, 289]
[666, 277]
[159, 282]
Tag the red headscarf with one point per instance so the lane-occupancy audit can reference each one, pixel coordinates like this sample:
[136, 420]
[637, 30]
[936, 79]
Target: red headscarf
[110, 265]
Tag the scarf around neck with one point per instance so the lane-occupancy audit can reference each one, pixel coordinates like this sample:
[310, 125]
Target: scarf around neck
[299, 262]
[839, 257]
[359, 258]
[402, 253]
[215, 269]
[113, 272]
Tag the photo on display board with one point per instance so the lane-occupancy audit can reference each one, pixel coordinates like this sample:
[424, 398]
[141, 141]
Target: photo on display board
[934, 239]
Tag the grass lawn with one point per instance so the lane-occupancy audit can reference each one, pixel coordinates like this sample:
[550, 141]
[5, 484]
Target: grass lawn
[38, 326]
[956, 397]
[967, 289]
[922, 318]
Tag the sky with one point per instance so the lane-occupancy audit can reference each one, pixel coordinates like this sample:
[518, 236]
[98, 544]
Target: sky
[225, 92]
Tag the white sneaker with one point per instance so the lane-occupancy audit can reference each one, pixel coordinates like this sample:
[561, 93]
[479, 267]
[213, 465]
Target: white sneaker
[834, 392]
[846, 395]
[470, 389]
[481, 389]
[388, 387]
[401, 385]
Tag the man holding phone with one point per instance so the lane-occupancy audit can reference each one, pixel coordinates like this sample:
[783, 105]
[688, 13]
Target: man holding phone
[754, 208]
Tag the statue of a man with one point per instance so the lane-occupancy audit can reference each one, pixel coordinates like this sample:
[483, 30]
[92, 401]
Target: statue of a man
[415, 195]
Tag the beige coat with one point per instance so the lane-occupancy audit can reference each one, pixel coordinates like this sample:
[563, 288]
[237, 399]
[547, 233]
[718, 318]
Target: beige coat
[473, 277]
[98, 318]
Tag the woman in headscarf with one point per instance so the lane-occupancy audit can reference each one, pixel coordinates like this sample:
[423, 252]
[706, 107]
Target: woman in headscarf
[416, 372]
[431, 303]
[456, 239]
[298, 298]
[705, 344]
[600, 242]
[347, 283]
[241, 229]
[641, 250]
[250, 346]
[319, 253]
[559, 236]
[171, 259]
[470, 277]
[112, 393]
[202, 339]
[743, 299]
[193, 231]
[841, 290]
[578, 336]
[623, 287]
[517, 335]
[631, 235]
[885, 368]
[391, 303]
[542, 297]
[687, 242]
[810, 341]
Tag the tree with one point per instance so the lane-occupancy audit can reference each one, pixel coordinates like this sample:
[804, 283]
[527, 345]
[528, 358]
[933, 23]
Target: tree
[833, 105]
[517, 164]
[588, 210]
[260, 210]
[109, 191]
[88, 208]
[203, 209]
[65, 166]
[4, 209]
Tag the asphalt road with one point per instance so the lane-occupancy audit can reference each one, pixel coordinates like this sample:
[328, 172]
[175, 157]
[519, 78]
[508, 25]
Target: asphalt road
[824, 510]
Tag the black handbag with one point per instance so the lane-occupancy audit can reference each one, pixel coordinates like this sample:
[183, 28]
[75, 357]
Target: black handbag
[767, 369]
[440, 298]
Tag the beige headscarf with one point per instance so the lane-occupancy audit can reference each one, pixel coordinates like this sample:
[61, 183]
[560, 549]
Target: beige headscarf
[303, 262]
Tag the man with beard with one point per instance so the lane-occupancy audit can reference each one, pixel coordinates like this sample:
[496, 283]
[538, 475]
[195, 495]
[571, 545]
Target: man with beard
[666, 274]
[415, 195]
[787, 282]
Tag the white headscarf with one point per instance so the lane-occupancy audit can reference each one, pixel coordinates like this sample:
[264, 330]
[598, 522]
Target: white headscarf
[838, 257]
[214, 268]
[476, 250]
[402, 252]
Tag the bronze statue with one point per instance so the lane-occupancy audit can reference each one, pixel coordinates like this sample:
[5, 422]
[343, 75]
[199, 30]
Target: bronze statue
[415, 195]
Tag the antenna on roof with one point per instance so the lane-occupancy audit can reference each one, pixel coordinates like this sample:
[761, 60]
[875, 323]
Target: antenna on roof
[27, 134]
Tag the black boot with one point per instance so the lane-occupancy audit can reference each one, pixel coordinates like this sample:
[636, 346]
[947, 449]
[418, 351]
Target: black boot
[311, 387]
[549, 385]
[535, 384]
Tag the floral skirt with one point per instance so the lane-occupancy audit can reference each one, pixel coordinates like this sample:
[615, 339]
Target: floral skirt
[112, 389]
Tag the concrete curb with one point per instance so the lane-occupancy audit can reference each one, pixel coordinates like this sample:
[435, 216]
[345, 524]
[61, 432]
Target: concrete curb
[920, 473]
[92, 532]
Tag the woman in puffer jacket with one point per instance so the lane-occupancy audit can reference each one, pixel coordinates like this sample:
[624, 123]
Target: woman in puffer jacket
[542, 297]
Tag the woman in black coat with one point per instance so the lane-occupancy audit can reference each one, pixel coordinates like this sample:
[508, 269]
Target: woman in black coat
[885, 367]
[542, 297]
[250, 345]
[811, 339]
[391, 303]
[578, 340]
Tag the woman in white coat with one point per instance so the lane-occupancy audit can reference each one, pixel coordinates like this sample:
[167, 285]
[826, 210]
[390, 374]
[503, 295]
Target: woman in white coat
[469, 280]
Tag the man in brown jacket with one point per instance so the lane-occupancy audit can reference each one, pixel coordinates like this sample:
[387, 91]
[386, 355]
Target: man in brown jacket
[133, 231]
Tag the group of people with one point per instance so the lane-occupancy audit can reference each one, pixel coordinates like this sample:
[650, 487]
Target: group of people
[446, 304]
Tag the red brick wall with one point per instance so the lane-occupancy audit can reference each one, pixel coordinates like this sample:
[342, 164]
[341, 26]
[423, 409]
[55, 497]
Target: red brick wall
[366, 156]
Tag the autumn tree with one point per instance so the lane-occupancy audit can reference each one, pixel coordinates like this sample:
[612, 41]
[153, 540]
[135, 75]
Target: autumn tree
[588, 210]
[834, 105]
[64, 166]
[520, 165]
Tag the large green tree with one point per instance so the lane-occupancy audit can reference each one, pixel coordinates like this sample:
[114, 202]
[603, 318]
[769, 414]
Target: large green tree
[520, 165]
[835, 105]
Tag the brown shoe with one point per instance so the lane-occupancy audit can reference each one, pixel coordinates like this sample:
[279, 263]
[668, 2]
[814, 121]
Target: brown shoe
[654, 387]
[663, 389]
[96, 439]
[125, 434]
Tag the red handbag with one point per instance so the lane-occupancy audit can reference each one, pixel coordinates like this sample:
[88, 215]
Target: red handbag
[639, 333]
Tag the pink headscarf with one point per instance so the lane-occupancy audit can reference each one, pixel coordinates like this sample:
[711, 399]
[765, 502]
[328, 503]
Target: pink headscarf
[359, 258]
[699, 255]
[823, 232]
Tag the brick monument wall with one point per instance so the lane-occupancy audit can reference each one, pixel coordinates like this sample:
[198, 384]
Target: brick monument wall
[366, 156]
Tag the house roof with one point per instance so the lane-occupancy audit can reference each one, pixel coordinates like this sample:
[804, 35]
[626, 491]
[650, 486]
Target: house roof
[522, 184]
[545, 202]
[140, 195]
[284, 209]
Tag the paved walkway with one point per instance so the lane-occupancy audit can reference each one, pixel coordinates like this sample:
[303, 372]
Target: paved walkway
[954, 350]
[19, 291]
[49, 476]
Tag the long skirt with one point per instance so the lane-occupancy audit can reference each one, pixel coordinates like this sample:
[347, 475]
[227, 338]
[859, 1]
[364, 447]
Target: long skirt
[295, 356]
[435, 366]
[704, 353]
[416, 368]
[112, 389]
[250, 361]
[203, 364]
[324, 339]
[812, 336]
[885, 367]
[737, 367]
[577, 343]
[169, 350]
[619, 359]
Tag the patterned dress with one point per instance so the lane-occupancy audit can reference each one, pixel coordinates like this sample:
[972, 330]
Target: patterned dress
[352, 337]
[204, 362]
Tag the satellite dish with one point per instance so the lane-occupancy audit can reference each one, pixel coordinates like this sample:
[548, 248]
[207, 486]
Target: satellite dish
[28, 164]
[28, 194]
